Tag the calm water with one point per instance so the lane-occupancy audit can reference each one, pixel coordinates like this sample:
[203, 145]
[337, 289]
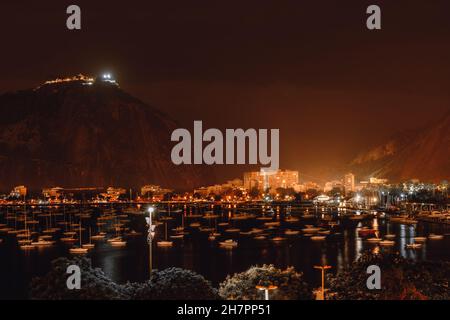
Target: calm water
[197, 253]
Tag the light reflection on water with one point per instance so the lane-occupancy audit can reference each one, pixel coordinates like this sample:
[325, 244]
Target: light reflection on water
[215, 263]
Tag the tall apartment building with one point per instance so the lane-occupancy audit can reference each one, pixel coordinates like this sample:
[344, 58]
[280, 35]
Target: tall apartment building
[349, 182]
[278, 179]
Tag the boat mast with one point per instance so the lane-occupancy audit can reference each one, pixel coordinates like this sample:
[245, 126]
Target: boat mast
[80, 231]
[165, 223]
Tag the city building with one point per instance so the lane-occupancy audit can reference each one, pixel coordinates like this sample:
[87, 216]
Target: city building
[72, 193]
[54, 192]
[310, 185]
[153, 190]
[253, 179]
[278, 179]
[219, 189]
[377, 181]
[113, 193]
[333, 185]
[349, 182]
[19, 192]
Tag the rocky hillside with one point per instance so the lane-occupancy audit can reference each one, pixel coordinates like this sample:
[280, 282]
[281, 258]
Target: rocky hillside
[71, 134]
[422, 154]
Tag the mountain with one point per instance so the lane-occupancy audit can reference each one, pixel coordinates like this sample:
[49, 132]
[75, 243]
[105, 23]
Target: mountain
[81, 132]
[423, 154]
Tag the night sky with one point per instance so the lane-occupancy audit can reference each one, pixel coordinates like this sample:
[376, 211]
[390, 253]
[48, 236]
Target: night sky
[310, 68]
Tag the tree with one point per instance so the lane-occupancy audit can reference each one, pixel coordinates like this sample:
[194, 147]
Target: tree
[238, 193]
[336, 191]
[298, 196]
[168, 284]
[312, 193]
[242, 286]
[173, 284]
[95, 285]
[400, 279]
[283, 192]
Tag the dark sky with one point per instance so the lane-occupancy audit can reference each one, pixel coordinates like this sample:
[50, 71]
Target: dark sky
[310, 68]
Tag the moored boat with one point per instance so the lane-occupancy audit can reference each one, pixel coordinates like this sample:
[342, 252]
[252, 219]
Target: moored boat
[228, 243]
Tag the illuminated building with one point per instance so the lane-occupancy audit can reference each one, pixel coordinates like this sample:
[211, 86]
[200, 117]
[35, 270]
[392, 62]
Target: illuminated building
[154, 190]
[349, 182]
[19, 192]
[332, 185]
[278, 179]
[75, 79]
[113, 194]
[83, 80]
[219, 189]
[377, 181]
[52, 192]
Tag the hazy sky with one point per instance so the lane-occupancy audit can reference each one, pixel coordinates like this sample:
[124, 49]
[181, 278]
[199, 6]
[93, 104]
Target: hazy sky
[310, 68]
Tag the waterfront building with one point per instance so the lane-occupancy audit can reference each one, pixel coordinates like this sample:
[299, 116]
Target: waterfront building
[153, 190]
[18, 192]
[219, 189]
[333, 185]
[278, 179]
[373, 180]
[113, 193]
[54, 192]
[349, 182]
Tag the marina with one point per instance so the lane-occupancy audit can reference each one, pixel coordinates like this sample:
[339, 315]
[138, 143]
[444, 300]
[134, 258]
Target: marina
[233, 237]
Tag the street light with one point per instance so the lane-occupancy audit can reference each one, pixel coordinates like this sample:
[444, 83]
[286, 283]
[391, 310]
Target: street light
[151, 234]
[266, 290]
[323, 268]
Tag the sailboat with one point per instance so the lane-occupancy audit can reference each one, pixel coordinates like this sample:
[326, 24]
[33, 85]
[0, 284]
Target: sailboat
[89, 245]
[214, 232]
[14, 230]
[27, 245]
[165, 242]
[177, 236]
[80, 249]
[228, 243]
[43, 242]
[433, 236]
[117, 241]
[99, 236]
[413, 246]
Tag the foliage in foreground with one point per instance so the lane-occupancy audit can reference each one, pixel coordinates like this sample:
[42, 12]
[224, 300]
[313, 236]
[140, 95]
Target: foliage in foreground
[95, 285]
[401, 279]
[242, 286]
[172, 283]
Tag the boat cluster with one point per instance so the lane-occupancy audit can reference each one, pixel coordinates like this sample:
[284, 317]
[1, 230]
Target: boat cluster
[371, 235]
[79, 229]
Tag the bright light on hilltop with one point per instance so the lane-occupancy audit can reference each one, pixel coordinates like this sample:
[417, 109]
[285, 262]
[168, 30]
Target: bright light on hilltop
[107, 77]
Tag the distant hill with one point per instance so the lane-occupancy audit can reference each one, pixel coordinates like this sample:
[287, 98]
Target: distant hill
[74, 134]
[422, 154]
